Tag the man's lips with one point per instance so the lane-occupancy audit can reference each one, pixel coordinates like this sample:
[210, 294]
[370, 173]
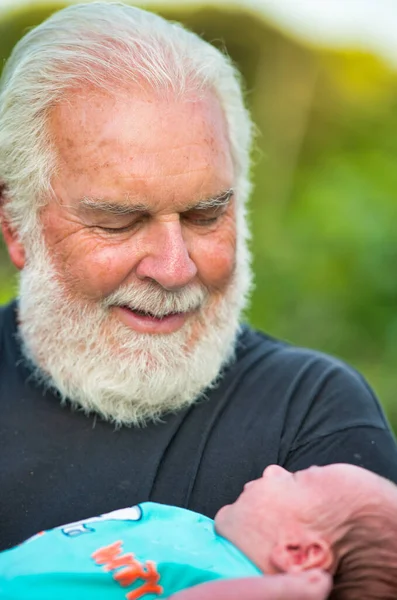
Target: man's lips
[149, 315]
[145, 322]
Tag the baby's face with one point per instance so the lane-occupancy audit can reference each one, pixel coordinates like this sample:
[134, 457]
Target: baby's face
[281, 503]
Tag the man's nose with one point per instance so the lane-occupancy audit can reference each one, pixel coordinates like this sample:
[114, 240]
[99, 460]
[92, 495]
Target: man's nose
[166, 257]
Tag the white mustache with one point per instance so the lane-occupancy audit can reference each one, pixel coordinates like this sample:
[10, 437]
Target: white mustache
[153, 299]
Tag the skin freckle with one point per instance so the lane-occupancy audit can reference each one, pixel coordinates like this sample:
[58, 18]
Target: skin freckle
[110, 151]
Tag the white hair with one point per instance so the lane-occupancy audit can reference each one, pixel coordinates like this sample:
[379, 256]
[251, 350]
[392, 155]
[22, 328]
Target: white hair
[88, 358]
[105, 46]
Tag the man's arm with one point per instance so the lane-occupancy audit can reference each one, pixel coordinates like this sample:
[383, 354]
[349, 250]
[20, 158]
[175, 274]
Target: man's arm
[310, 585]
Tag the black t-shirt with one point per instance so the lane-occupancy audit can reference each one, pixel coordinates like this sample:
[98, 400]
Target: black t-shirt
[274, 404]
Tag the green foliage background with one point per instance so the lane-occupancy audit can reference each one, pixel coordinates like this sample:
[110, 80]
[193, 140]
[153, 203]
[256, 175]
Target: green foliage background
[324, 207]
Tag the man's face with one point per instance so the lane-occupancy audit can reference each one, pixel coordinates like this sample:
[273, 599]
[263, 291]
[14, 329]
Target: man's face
[138, 297]
[284, 506]
[135, 175]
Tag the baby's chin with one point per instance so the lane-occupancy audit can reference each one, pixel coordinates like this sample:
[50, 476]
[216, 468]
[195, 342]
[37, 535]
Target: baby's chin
[222, 519]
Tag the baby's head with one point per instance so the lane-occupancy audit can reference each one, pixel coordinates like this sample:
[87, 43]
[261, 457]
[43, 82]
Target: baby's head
[340, 518]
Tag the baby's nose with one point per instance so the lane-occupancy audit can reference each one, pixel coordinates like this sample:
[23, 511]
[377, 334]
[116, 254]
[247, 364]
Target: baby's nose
[275, 471]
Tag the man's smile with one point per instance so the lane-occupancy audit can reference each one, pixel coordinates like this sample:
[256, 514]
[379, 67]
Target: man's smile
[146, 322]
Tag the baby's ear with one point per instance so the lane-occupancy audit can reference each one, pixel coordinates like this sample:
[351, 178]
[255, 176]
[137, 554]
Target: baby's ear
[302, 555]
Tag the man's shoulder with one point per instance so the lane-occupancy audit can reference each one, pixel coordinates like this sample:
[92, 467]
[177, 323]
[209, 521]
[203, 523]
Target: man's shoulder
[274, 373]
[7, 324]
[7, 311]
[261, 350]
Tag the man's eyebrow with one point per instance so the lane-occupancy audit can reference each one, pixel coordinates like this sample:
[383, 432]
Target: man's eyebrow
[127, 207]
[108, 206]
[220, 200]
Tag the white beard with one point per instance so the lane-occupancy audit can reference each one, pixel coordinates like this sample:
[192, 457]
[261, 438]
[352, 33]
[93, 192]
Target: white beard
[84, 353]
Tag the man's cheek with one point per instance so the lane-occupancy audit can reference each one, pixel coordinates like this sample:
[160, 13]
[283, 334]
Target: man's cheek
[97, 276]
[219, 268]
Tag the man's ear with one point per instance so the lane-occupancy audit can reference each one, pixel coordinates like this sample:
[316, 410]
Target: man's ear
[302, 555]
[15, 247]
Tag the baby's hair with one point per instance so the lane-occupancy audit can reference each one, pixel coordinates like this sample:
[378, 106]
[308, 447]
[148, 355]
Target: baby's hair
[368, 555]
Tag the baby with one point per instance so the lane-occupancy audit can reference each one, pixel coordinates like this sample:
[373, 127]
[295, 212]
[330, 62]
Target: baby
[339, 520]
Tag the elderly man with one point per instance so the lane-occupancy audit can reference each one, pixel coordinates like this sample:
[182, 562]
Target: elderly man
[124, 158]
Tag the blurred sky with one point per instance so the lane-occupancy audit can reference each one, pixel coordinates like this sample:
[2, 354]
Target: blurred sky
[369, 24]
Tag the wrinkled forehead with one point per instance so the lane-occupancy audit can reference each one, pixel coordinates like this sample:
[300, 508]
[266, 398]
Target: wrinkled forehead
[165, 150]
[92, 116]
[141, 137]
